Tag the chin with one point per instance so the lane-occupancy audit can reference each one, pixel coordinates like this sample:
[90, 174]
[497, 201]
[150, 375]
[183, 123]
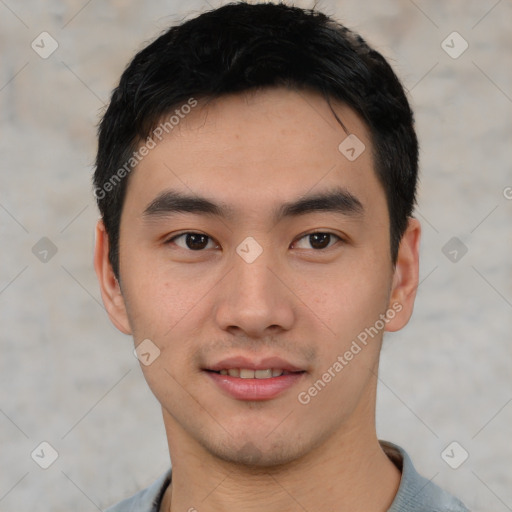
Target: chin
[262, 454]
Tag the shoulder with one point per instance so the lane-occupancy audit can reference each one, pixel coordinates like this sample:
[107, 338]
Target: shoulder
[416, 493]
[147, 500]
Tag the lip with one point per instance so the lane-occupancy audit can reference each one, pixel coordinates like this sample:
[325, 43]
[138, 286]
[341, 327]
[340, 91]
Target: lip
[254, 389]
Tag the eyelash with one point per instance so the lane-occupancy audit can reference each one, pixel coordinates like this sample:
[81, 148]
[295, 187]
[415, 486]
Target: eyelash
[339, 239]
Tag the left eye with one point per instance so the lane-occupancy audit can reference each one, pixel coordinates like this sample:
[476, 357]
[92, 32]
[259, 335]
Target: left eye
[193, 241]
[317, 241]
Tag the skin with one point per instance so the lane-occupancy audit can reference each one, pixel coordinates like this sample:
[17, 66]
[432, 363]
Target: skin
[254, 152]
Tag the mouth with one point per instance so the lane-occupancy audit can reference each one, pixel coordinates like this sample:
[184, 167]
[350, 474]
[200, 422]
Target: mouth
[243, 379]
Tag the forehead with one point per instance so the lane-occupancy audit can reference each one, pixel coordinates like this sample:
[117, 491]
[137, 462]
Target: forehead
[251, 149]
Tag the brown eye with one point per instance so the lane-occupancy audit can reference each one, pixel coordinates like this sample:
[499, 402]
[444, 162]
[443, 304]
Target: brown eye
[317, 241]
[192, 241]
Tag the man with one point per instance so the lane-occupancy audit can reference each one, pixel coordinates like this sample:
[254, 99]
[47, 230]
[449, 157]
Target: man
[256, 176]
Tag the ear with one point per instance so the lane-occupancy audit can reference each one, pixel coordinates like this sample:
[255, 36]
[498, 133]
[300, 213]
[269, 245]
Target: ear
[109, 285]
[405, 278]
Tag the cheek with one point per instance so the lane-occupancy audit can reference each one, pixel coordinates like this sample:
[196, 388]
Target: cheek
[159, 300]
[349, 299]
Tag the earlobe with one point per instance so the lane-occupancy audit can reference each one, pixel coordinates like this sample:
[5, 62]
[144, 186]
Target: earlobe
[109, 285]
[405, 278]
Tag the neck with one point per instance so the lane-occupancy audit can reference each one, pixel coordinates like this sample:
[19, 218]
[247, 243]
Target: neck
[348, 472]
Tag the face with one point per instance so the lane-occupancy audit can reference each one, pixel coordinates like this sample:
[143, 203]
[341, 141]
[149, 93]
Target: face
[255, 257]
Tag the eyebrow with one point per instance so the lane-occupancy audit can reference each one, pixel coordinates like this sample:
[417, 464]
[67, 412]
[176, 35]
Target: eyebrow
[338, 200]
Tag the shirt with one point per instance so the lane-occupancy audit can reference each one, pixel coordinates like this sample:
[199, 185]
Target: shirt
[415, 493]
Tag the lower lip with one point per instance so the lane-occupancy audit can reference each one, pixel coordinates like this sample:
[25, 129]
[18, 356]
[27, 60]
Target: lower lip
[255, 389]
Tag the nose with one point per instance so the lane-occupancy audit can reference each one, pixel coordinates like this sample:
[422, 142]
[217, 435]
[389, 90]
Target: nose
[253, 301]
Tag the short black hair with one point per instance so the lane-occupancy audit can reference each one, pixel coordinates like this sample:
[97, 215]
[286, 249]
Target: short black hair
[240, 47]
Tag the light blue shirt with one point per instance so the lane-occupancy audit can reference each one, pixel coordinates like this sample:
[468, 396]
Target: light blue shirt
[415, 494]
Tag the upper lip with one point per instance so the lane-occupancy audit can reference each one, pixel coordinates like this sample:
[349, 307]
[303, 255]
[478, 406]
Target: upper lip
[253, 364]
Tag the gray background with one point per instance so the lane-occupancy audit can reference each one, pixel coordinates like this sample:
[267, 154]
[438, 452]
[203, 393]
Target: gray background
[69, 378]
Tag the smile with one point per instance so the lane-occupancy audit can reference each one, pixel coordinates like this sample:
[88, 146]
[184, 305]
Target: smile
[247, 373]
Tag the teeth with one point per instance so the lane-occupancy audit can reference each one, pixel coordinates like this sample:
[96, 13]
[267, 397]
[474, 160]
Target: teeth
[263, 374]
[246, 373]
